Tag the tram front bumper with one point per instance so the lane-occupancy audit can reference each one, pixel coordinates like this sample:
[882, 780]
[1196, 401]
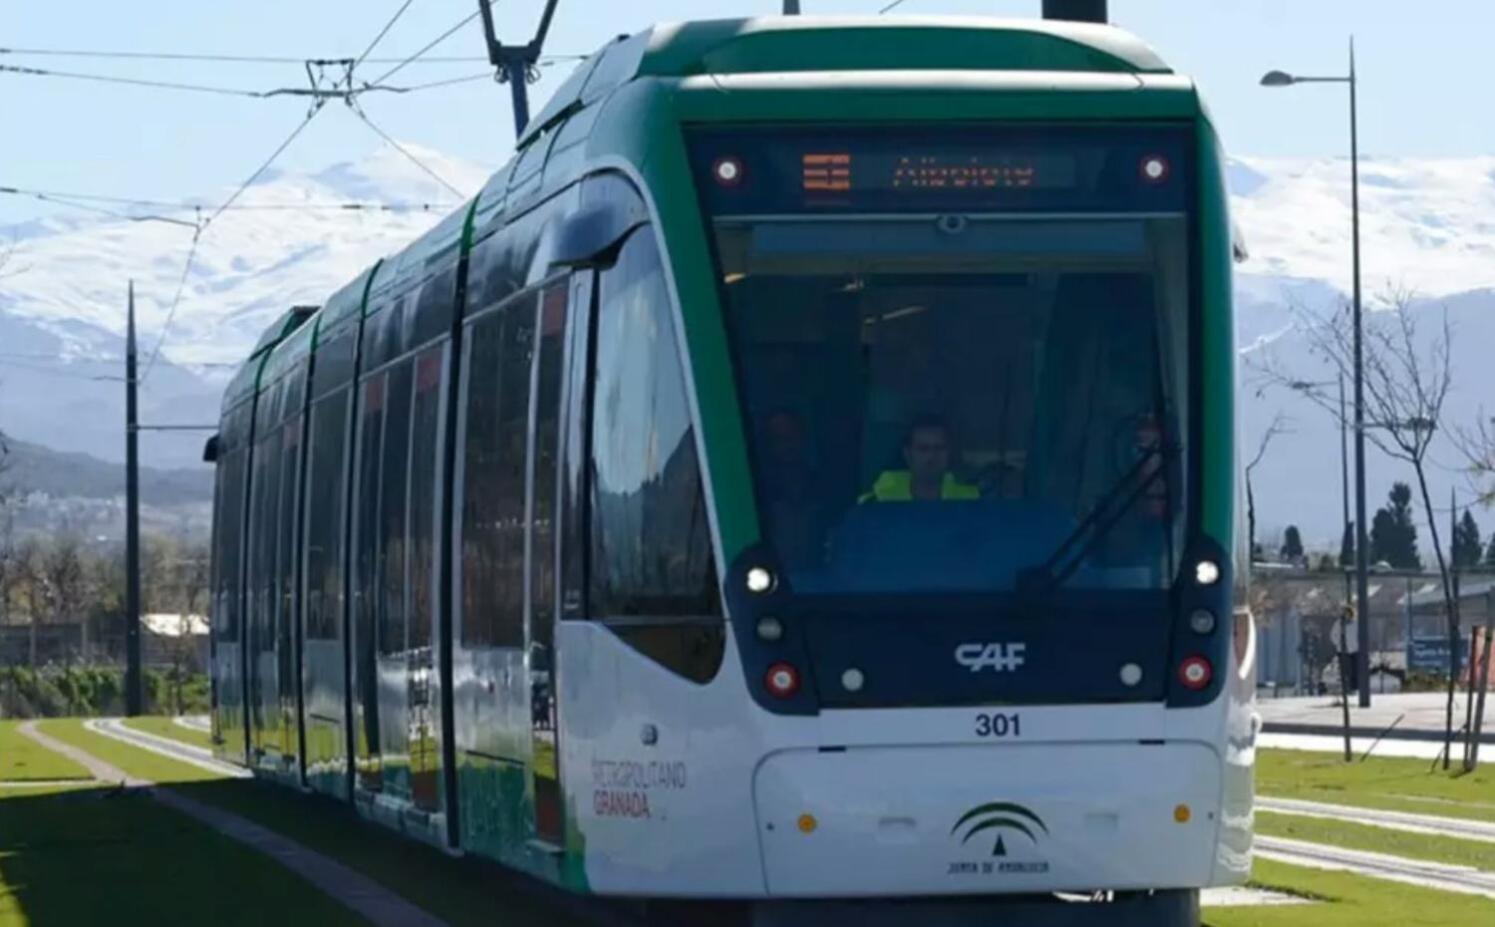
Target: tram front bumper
[984, 819]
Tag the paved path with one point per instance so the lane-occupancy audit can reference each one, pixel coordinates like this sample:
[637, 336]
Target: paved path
[1421, 716]
[1324, 743]
[1442, 876]
[96, 767]
[358, 892]
[1437, 825]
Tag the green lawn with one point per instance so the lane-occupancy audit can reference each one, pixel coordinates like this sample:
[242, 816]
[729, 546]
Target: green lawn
[22, 758]
[1380, 782]
[1345, 900]
[95, 856]
[459, 891]
[166, 727]
[1378, 839]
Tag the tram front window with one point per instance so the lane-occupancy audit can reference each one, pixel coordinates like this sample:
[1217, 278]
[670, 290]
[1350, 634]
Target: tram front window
[939, 404]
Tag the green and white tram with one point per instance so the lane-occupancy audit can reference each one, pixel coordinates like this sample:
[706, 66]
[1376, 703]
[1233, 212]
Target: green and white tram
[806, 471]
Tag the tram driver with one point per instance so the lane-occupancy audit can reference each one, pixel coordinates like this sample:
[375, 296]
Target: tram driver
[926, 476]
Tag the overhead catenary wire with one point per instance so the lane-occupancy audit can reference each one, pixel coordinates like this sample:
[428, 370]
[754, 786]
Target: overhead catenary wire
[377, 86]
[311, 114]
[176, 300]
[65, 198]
[228, 59]
[133, 81]
[383, 32]
[358, 111]
[427, 47]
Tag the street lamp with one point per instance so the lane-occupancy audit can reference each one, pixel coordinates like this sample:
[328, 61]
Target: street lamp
[1307, 387]
[1362, 583]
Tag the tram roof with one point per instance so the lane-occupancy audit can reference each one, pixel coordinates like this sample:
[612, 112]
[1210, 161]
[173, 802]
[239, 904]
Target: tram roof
[803, 45]
[848, 43]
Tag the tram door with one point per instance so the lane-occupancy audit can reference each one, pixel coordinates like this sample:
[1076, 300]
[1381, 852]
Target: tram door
[542, 549]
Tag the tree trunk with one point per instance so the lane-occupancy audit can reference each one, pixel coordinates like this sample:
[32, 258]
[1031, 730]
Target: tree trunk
[1452, 606]
[1250, 522]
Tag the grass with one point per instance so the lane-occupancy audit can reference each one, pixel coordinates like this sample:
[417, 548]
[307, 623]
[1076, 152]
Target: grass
[167, 727]
[1353, 836]
[460, 891]
[1390, 783]
[1345, 900]
[98, 856]
[22, 758]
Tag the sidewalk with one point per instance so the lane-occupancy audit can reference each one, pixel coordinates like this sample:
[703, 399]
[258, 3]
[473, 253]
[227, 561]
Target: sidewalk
[1421, 716]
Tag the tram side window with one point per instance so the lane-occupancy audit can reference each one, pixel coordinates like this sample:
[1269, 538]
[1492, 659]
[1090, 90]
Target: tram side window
[290, 486]
[264, 493]
[425, 457]
[324, 518]
[500, 346]
[229, 526]
[650, 540]
[396, 457]
[366, 543]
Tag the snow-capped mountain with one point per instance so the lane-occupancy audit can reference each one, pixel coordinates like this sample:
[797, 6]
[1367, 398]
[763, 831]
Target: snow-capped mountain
[1428, 225]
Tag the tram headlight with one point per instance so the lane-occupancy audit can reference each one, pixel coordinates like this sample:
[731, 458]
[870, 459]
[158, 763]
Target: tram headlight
[1206, 572]
[770, 629]
[727, 170]
[1202, 621]
[1154, 168]
[759, 580]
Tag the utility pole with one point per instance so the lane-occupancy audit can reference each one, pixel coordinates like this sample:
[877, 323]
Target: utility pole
[134, 702]
[516, 63]
[1362, 539]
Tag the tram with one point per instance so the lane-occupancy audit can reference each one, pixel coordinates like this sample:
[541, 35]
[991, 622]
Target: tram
[806, 471]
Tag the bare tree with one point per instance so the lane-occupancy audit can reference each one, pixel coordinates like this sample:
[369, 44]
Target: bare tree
[31, 583]
[1278, 426]
[1406, 383]
[1477, 444]
[66, 582]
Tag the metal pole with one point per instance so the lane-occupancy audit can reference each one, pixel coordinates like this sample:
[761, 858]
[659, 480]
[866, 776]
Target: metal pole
[134, 691]
[519, 91]
[1344, 481]
[1484, 679]
[1362, 580]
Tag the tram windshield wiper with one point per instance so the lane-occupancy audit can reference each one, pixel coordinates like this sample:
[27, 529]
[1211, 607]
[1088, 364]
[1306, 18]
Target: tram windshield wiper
[1066, 560]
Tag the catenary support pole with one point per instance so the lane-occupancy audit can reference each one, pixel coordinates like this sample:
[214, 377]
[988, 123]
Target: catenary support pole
[1362, 553]
[133, 682]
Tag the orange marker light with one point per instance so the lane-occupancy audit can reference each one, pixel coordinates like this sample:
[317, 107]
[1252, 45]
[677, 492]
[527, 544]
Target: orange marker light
[807, 823]
[1181, 814]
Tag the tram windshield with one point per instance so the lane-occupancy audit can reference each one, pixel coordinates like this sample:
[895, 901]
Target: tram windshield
[962, 403]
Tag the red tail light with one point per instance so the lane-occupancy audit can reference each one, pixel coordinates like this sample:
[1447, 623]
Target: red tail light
[781, 680]
[1195, 673]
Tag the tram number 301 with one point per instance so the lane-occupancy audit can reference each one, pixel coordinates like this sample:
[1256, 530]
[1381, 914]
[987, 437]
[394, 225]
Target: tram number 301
[998, 725]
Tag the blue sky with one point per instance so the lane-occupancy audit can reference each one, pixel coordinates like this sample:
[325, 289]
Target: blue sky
[1422, 69]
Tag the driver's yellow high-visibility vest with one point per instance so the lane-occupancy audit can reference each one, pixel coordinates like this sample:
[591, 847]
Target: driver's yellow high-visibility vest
[898, 486]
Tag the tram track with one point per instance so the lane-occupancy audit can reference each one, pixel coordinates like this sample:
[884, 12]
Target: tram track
[1442, 876]
[200, 757]
[1434, 825]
